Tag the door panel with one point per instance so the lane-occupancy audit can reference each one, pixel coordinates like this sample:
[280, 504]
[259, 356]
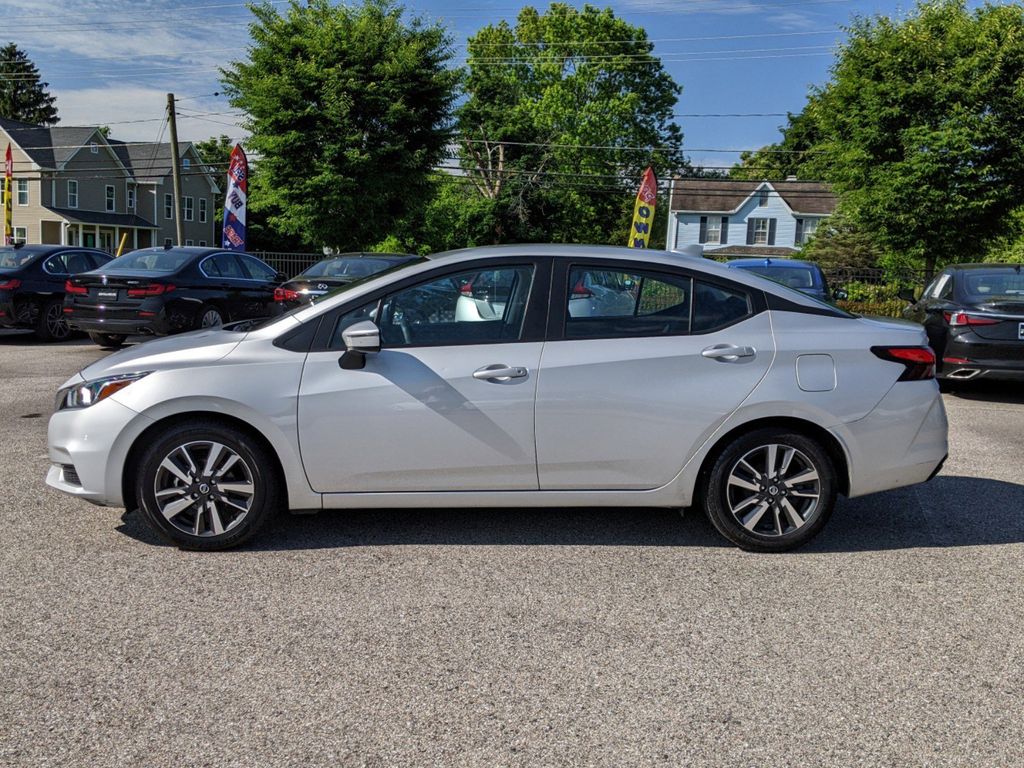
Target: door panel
[417, 420]
[627, 413]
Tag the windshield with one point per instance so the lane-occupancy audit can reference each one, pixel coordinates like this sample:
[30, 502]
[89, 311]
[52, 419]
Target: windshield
[351, 267]
[794, 277]
[334, 292]
[982, 285]
[15, 258]
[149, 261]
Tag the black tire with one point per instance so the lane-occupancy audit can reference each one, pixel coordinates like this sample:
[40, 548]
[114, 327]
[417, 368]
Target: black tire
[770, 528]
[52, 325]
[195, 526]
[107, 340]
[205, 313]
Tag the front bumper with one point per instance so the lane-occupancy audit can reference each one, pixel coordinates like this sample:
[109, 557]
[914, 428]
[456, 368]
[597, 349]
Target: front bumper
[90, 445]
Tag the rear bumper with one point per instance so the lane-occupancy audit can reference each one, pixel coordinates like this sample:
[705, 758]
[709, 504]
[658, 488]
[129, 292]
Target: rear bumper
[985, 359]
[903, 441]
[94, 320]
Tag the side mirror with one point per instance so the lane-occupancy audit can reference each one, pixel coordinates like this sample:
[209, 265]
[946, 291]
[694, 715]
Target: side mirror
[840, 295]
[280, 277]
[906, 294]
[360, 339]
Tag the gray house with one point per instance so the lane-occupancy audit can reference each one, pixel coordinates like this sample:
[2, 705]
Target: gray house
[74, 186]
[746, 218]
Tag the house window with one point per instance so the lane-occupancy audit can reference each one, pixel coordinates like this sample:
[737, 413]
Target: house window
[169, 207]
[185, 163]
[188, 242]
[111, 198]
[202, 209]
[131, 198]
[22, 191]
[713, 234]
[762, 198]
[202, 243]
[809, 228]
[20, 235]
[72, 194]
[187, 210]
[93, 148]
[760, 231]
[167, 242]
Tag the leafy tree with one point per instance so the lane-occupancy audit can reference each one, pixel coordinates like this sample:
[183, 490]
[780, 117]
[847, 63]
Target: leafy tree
[348, 113]
[563, 113]
[922, 130]
[841, 242]
[22, 95]
[796, 155]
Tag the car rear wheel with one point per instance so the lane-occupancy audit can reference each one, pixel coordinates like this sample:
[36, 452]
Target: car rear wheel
[207, 486]
[52, 324]
[209, 317]
[771, 490]
[107, 340]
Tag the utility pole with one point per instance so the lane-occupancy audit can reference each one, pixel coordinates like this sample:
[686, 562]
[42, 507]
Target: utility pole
[179, 224]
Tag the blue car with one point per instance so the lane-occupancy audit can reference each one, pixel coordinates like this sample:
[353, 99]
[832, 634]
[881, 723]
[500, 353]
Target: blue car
[804, 276]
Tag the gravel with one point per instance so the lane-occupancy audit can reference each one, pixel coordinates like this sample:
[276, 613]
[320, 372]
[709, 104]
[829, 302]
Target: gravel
[513, 637]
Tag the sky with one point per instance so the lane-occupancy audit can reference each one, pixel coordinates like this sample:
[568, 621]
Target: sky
[742, 64]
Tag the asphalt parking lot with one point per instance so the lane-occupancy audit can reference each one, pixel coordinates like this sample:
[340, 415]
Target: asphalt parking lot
[513, 637]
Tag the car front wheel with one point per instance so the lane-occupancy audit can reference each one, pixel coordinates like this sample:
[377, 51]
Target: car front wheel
[52, 324]
[771, 490]
[207, 486]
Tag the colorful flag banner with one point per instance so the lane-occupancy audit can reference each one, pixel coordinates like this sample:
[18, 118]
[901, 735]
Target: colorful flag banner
[234, 201]
[8, 189]
[643, 211]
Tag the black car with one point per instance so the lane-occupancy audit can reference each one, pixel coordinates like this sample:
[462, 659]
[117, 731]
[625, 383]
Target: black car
[333, 272]
[32, 279]
[167, 290]
[974, 315]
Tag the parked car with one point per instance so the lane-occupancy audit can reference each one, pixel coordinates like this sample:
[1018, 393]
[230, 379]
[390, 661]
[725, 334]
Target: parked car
[334, 272]
[804, 276]
[974, 316]
[159, 291]
[32, 281]
[718, 389]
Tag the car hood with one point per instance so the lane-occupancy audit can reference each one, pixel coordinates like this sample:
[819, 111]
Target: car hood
[187, 349]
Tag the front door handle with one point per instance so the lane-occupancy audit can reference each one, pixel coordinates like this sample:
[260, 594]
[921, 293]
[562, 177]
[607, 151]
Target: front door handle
[728, 353]
[499, 372]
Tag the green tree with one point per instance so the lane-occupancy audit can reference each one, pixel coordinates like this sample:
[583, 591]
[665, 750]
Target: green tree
[921, 126]
[841, 242]
[796, 155]
[563, 113]
[22, 95]
[348, 110]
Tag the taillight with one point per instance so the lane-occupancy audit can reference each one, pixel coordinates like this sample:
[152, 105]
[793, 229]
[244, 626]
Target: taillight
[918, 361]
[580, 291]
[10, 285]
[153, 289]
[286, 294]
[75, 290]
[962, 318]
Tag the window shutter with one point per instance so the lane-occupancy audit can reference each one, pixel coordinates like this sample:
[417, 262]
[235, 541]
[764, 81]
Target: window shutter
[750, 231]
[799, 231]
[771, 231]
[725, 230]
[703, 229]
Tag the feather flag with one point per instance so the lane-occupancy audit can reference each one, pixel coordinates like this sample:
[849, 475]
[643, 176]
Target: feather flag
[643, 211]
[235, 201]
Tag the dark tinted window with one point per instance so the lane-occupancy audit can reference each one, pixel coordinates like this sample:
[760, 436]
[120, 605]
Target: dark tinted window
[716, 307]
[223, 265]
[12, 258]
[477, 306]
[257, 270]
[607, 303]
[150, 261]
[352, 266]
[794, 277]
[983, 283]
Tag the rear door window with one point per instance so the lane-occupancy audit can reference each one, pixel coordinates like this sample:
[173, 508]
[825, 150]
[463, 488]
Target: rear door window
[608, 303]
[716, 307]
[257, 270]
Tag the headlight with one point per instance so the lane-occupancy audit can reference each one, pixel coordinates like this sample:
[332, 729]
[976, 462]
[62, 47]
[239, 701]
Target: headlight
[91, 392]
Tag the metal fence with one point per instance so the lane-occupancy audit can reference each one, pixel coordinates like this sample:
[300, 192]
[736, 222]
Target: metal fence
[289, 263]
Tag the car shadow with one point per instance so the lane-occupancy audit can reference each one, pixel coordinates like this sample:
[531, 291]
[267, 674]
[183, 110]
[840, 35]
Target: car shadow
[947, 512]
[985, 391]
[16, 337]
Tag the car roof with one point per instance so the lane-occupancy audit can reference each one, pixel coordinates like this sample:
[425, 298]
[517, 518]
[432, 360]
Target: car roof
[771, 262]
[191, 250]
[369, 255]
[992, 265]
[49, 248]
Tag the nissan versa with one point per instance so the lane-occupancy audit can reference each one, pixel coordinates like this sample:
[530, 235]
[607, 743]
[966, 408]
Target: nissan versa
[512, 376]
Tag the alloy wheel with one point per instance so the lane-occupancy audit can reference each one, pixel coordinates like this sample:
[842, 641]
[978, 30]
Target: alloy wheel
[204, 488]
[56, 322]
[211, 318]
[773, 490]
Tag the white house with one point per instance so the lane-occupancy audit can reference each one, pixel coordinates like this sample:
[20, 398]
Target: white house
[746, 218]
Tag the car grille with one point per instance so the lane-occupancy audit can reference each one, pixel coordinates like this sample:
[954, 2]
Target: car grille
[70, 474]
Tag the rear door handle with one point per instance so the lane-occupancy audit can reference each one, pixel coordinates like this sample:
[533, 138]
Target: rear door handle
[499, 372]
[728, 353]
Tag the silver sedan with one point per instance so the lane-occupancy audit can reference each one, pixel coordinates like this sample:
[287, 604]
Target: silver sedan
[474, 379]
